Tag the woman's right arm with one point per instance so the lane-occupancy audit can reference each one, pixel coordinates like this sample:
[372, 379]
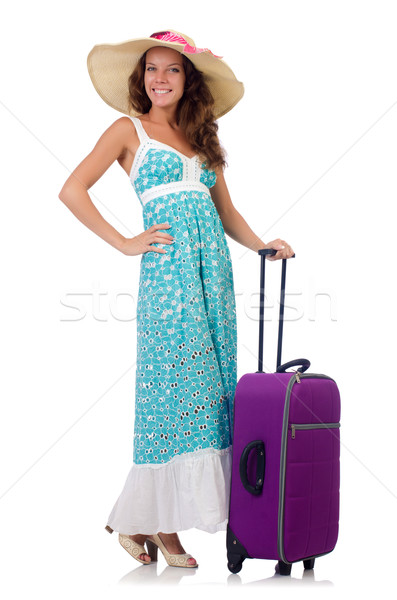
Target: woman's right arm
[74, 194]
[110, 147]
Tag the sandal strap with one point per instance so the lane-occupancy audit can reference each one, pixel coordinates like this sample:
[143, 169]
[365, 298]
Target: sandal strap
[131, 546]
[179, 559]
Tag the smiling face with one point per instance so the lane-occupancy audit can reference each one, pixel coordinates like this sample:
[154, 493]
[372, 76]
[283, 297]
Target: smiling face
[164, 77]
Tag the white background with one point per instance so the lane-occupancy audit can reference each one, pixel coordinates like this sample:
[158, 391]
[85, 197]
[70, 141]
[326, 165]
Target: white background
[312, 160]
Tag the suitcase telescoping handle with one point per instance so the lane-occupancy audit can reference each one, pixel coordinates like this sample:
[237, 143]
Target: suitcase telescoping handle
[299, 361]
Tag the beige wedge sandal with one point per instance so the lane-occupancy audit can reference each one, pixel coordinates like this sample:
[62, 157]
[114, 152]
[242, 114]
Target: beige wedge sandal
[174, 560]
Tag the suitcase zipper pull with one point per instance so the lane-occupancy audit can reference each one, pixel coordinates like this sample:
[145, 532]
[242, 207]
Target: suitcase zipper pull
[292, 432]
[297, 377]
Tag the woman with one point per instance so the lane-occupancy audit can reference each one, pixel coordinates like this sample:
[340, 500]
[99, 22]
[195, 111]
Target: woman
[186, 370]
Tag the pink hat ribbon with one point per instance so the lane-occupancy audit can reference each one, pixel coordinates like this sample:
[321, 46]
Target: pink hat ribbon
[169, 36]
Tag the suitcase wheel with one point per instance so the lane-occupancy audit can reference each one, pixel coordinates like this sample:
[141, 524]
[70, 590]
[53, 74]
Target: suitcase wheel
[235, 564]
[309, 564]
[282, 568]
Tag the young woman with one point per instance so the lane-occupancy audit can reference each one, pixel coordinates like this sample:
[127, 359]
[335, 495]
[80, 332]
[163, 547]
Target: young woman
[172, 94]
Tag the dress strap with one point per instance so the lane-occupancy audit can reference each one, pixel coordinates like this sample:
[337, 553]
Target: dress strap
[143, 136]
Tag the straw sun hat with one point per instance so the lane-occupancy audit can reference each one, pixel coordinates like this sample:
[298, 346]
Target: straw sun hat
[110, 65]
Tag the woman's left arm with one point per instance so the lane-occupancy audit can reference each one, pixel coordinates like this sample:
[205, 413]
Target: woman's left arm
[236, 227]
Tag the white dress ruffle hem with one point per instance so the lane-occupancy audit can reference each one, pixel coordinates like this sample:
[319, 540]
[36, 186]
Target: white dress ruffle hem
[191, 490]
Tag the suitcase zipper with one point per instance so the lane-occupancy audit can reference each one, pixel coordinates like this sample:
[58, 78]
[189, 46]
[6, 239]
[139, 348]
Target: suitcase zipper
[312, 426]
[296, 378]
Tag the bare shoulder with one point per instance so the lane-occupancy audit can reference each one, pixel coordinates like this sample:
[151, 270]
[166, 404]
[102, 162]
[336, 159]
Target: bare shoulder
[121, 141]
[118, 142]
[118, 135]
[123, 130]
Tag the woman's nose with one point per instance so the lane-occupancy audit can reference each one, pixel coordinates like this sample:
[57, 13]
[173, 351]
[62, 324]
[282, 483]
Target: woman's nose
[160, 76]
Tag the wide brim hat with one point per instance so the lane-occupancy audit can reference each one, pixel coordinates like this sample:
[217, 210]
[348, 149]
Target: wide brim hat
[110, 65]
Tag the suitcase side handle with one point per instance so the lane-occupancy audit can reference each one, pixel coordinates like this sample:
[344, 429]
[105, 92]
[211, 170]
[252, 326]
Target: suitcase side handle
[259, 446]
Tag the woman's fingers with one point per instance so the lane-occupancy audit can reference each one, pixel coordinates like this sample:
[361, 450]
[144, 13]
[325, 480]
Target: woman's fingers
[142, 243]
[284, 250]
[154, 229]
[159, 237]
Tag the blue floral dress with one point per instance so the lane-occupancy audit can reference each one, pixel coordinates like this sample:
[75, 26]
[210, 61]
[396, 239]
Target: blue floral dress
[186, 370]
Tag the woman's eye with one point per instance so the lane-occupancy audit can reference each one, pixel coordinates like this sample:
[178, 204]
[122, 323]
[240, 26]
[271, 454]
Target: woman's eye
[171, 69]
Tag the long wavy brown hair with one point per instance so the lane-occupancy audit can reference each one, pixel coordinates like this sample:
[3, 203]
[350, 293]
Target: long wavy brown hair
[195, 111]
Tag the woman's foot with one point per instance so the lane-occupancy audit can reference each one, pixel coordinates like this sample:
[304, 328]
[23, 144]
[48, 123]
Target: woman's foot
[140, 539]
[172, 544]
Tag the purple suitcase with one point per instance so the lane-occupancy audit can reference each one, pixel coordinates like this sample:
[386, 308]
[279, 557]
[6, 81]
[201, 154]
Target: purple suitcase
[284, 494]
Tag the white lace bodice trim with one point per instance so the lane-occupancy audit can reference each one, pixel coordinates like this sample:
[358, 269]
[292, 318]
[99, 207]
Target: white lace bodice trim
[172, 188]
[191, 166]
